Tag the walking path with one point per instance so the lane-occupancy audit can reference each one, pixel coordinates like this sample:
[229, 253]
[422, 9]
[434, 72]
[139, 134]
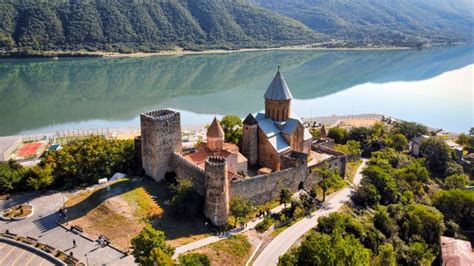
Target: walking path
[209, 240]
[42, 226]
[280, 244]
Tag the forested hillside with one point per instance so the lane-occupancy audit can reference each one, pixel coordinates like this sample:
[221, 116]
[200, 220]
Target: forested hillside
[401, 22]
[144, 25]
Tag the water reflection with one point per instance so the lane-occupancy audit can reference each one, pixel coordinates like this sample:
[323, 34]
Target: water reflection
[37, 95]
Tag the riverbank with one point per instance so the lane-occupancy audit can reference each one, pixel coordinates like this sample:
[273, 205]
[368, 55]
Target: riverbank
[181, 52]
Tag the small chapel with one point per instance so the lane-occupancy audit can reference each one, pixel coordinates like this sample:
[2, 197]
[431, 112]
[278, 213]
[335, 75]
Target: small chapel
[276, 132]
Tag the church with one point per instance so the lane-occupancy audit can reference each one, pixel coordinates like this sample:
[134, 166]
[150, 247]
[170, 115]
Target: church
[269, 135]
[276, 152]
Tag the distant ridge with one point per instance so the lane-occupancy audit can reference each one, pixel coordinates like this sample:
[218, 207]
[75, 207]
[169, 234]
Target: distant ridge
[127, 26]
[390, 22]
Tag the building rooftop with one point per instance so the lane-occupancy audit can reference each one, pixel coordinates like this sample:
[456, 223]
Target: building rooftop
[215, 130]
[456, 252]
[278, 89]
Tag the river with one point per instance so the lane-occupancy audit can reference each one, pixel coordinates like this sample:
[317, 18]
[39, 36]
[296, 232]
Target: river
[431, 86]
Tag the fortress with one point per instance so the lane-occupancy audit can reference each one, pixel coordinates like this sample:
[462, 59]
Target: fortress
[276, 152]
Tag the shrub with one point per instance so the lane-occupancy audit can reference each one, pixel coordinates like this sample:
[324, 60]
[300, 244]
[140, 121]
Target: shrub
[194, 259]
[265, 224]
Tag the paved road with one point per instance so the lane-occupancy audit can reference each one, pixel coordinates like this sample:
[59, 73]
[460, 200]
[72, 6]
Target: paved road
[280, 244]
[42, 225]
[209, 240]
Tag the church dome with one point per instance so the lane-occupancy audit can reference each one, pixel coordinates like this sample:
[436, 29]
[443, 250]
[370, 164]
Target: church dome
[215, 130]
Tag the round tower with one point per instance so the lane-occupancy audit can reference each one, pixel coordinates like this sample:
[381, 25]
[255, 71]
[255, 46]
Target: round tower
[216, 206]
[160, 138]
[215, 136]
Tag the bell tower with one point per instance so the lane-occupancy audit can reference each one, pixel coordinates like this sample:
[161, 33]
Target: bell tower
[278, 99]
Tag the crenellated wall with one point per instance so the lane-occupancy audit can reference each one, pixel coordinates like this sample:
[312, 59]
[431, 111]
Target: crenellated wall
[186, 169]
[160, 138]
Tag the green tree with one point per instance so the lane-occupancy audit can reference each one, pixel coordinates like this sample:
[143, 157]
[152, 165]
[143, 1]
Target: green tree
[159, 257]
[366, 195]
[329, 179]
[361, 135]
[386, 256]
[456, 205]
[232, 126]
[240, 208]
[186, 202]
[422, 221]
[341, 222]
[385, 223]
[436, 153]
[87, 160]
[12, 176]
[459, 181]
[285, 196]
[420, 254]
[150, 246]
[351, 148]
[382, 179]
[399, 142]
[333, 249]
[41, 177]
[194, 259]
[339, 134]
[411, 129]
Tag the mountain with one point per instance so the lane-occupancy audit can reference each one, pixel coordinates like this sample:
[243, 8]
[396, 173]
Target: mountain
[126, 25]
[400, 22]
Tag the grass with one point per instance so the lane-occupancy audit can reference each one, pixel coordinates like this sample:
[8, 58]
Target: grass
[268, 205]
[351, 169]
[234, 250]
[18, 211]
[130, 204]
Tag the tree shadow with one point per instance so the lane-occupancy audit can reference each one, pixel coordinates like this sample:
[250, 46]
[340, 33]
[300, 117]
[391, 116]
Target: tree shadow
[98, 197]
[174, 227]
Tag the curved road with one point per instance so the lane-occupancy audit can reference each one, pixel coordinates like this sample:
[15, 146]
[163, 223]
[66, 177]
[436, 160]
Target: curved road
[280, 244]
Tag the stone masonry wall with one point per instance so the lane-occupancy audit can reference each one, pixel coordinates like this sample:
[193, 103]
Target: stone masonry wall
[250, 143]
[186, 169]
[216, 206]
[262, 188]
[160, 138]
[338, 159]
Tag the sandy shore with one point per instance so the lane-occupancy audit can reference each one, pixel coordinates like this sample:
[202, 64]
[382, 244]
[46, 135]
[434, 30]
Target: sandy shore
[181, 52]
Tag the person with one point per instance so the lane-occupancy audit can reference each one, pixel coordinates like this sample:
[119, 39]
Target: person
[74, 243]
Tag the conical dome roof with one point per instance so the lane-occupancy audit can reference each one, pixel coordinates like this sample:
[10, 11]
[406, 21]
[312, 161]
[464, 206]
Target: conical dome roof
[278, 89]
[215, 130]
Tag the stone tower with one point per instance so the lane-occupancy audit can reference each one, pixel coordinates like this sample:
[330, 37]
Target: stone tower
[250, 139]
[216, 206]
[215, 136]
[161, 137]
[278, 99]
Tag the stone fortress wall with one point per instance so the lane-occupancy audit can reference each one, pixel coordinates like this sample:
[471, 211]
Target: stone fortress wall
[160, 138]
[217, 199]
[160, 148]
[263, 188]
[186, 169]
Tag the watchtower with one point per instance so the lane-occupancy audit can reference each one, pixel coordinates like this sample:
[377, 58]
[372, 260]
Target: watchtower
[160, 138]
[216, 206]
[250, 139]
